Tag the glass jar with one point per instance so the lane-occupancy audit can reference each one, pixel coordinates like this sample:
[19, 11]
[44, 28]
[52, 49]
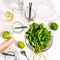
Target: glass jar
[33, 14]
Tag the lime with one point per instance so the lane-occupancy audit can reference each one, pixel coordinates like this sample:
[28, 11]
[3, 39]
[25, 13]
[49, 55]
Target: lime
[6, 35]
[21, 44]
[54, 26]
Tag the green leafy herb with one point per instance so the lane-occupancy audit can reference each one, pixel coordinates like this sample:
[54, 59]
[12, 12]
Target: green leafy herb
[38, 36]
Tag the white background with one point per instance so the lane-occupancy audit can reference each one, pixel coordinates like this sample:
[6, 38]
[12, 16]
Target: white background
[54, 51]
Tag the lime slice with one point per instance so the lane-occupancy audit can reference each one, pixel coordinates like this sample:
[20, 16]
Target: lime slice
[9, 16]
[6, 35]
[21, 44]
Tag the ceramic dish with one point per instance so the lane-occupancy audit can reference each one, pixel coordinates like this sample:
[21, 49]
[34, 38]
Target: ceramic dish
[12, 57]
[17, 24]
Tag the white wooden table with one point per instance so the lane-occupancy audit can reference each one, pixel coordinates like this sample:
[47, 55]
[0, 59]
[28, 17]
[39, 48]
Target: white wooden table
[54, 51]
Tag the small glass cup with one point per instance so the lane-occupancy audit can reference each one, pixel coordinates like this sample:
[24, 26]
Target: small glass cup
[33, 14]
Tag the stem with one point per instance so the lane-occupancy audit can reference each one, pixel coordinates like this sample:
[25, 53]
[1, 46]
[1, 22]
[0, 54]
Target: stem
[33, 56]
[39, 56]
[43, 56]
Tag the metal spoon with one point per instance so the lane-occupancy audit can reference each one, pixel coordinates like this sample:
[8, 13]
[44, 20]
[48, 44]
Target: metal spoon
[24, 53]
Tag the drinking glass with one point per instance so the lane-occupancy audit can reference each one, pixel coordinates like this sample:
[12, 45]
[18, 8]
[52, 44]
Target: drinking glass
[33, 14]
[17, 5]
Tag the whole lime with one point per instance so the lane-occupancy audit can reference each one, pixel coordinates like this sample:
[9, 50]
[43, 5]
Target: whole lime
[21, 44]
[53, 26]
[6, 35]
